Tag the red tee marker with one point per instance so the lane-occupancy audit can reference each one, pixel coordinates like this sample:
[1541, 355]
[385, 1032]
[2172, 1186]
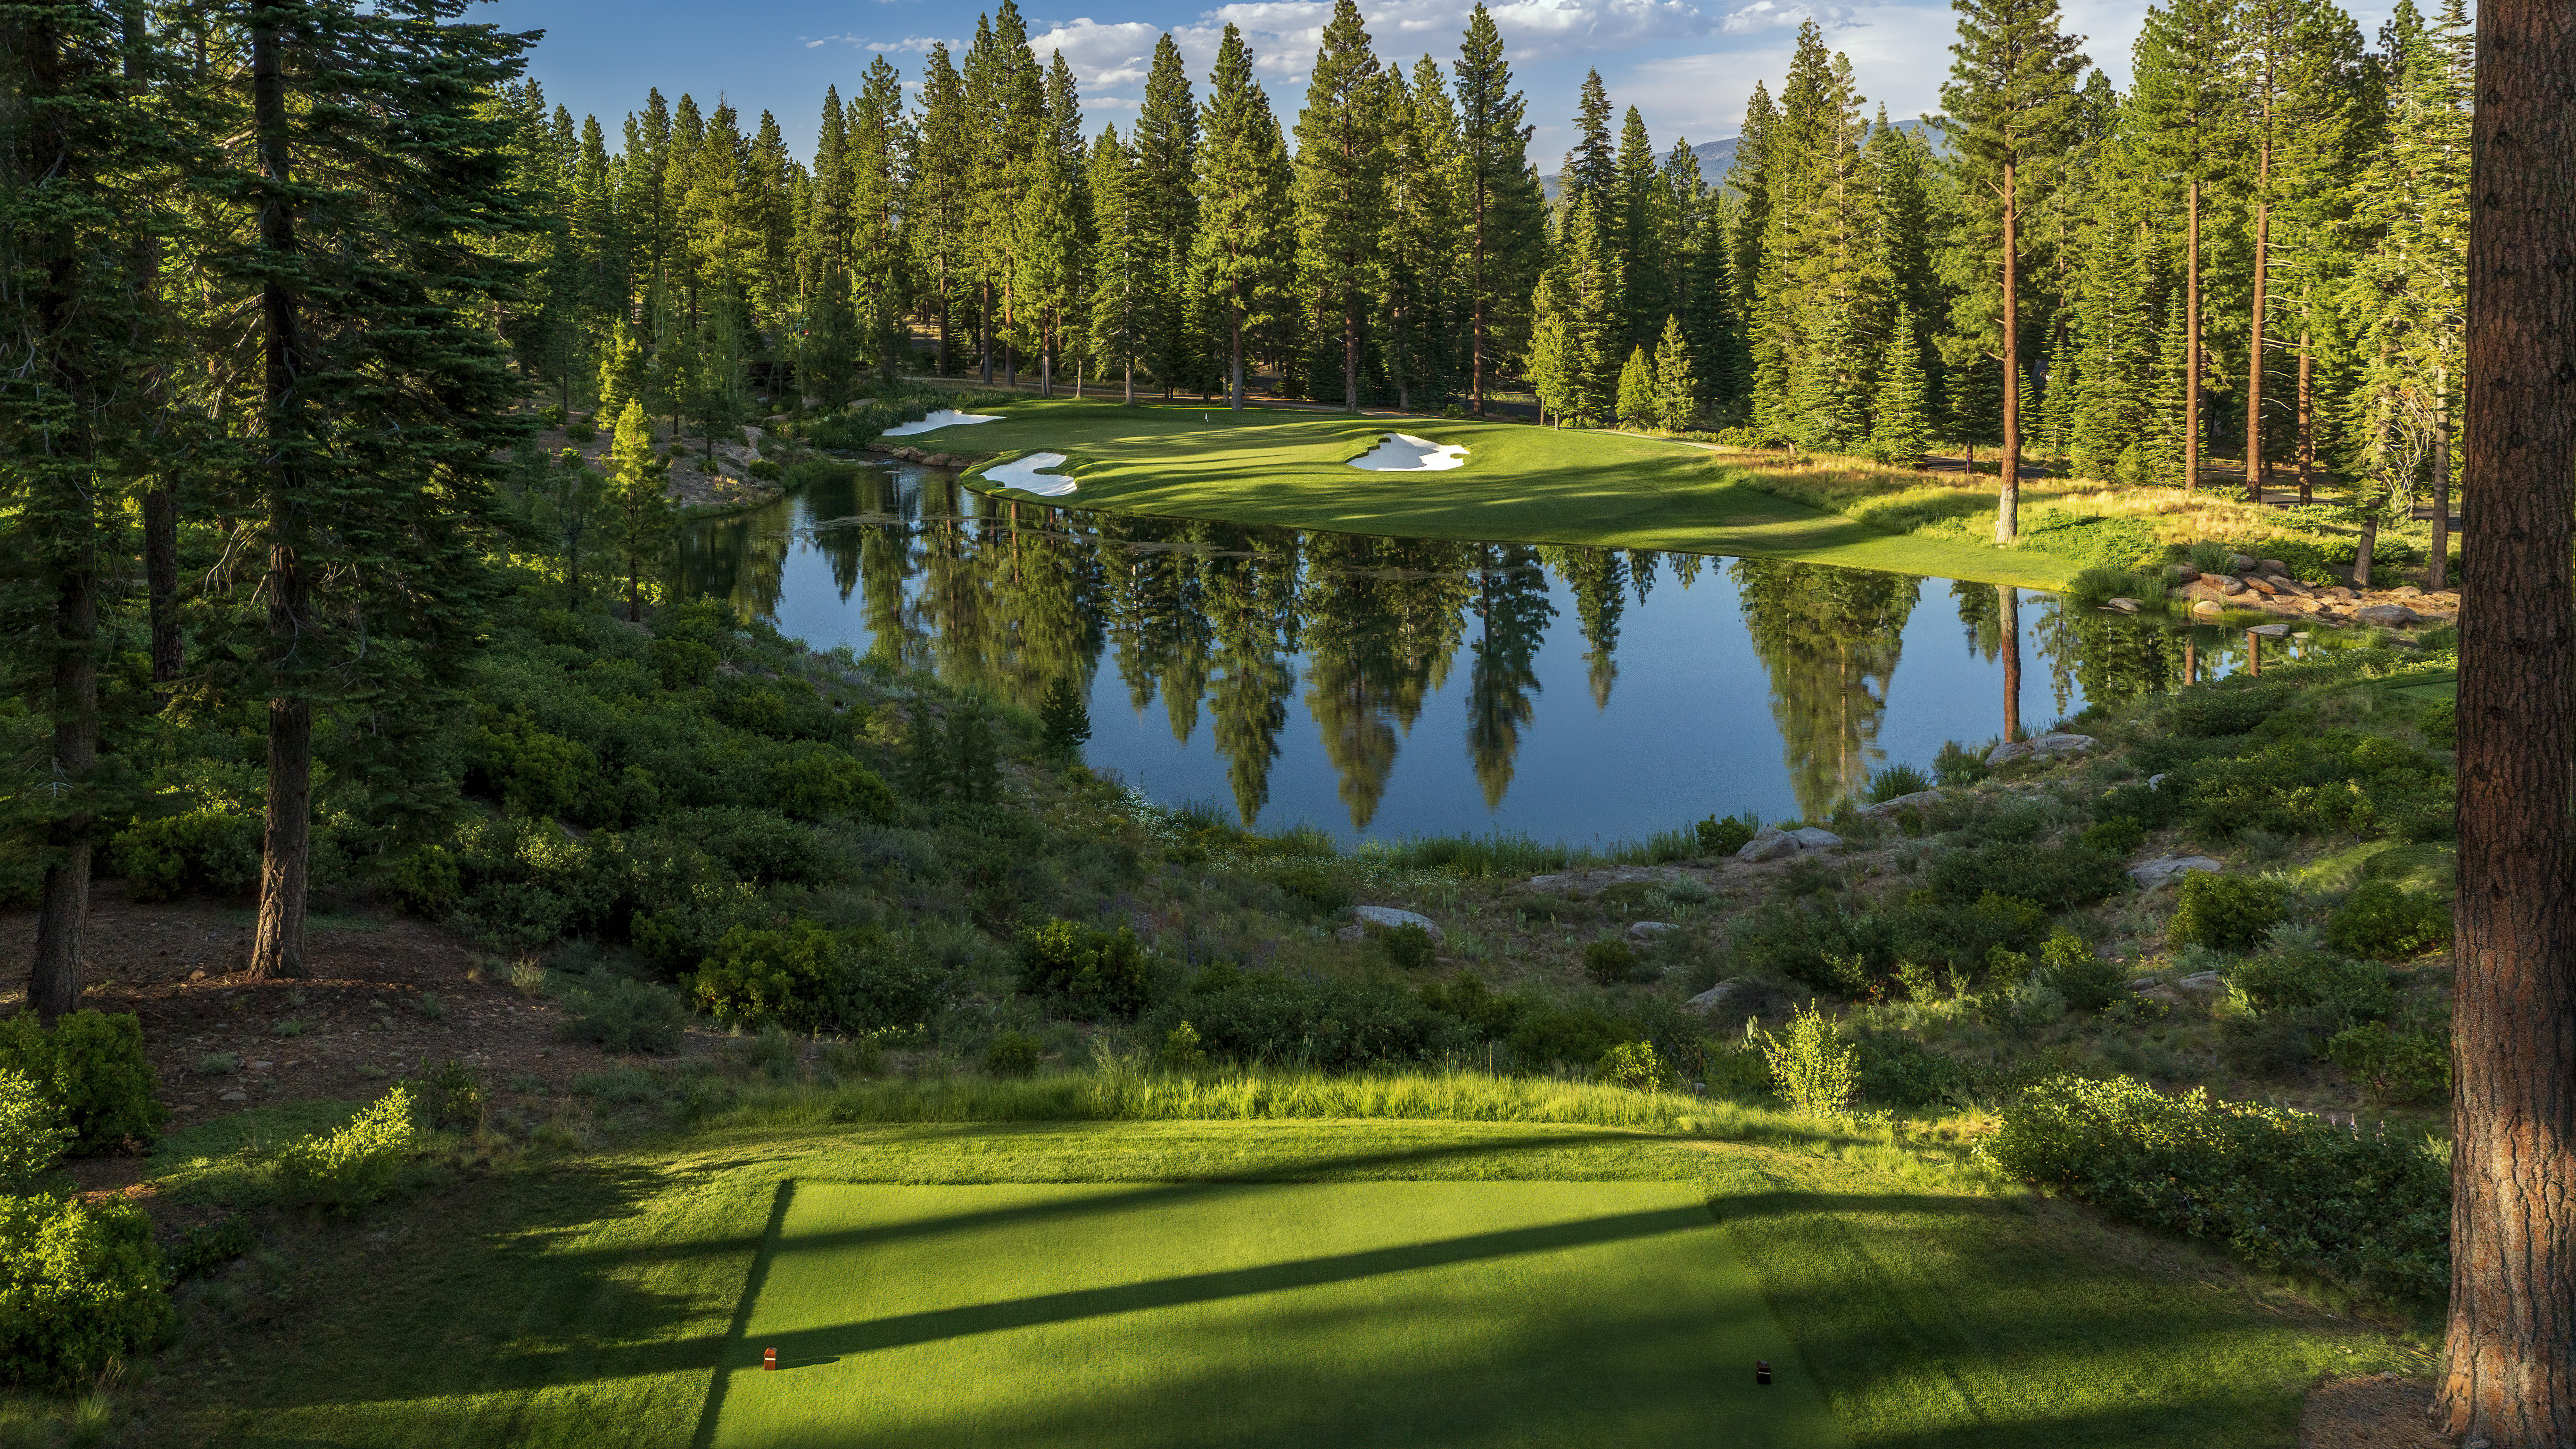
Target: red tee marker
[769, 1363]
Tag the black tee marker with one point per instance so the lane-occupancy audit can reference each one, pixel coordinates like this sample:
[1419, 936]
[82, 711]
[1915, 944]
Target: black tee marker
[1762, 1370]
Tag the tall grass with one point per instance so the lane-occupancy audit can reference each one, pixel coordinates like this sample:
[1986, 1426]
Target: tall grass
[1125, 1091]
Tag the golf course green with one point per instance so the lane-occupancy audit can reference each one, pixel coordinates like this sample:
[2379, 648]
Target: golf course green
[1519, 484]
[1388, 1313]
[1257, 1282]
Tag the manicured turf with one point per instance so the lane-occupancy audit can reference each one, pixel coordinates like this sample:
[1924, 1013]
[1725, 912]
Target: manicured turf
[597, 1299]
[1520, 484]
[1394, 1314]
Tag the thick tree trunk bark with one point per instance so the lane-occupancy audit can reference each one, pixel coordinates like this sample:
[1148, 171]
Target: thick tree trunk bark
[277, 943]
[2191, 341]
[2509, 1369]
[2008, 496]
[1131, 382]
[62, 910]
[161, 580]
[2254, 355]
[1234, 356]
[1350, 356]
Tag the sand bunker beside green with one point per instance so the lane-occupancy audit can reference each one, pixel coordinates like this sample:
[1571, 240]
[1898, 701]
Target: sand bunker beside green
[1563, 1314]
[1518, 484]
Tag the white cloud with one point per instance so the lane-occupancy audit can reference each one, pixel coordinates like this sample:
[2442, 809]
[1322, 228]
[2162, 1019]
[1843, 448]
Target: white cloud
[915, 45]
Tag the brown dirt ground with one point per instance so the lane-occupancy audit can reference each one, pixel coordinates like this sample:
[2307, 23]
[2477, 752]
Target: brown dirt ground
[2377, 1411]
[381, 993]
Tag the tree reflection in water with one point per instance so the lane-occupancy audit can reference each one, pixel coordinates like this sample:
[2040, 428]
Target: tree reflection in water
[1236, 628]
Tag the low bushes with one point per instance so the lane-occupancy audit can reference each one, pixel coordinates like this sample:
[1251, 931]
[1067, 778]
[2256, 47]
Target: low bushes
[343, 1171]
[624, 1015]
[1323, 1023]
[80, 1288]
[2281, 1189]
[807, 979]
[1090, 973]
[89, 1068]
[1817, 1071]
[2384, 923]
[2227, 912]
[32, 1134]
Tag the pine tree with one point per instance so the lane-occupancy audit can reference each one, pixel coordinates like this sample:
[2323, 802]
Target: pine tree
[1421, 238]
[1167, 162]
[879, 255]
[639, 503]
[383, 402]
[940, 189]
[2011, 104]
[1247, 219]
[87, 165]
[1901, 429]
[2184, 114]
[1639, 404]
[1341, 192]
[621, 371]
[1048, 255]
[1677, 385]
[1499, 199]
[1126, 271]
[1648, 221]
[1551, 364]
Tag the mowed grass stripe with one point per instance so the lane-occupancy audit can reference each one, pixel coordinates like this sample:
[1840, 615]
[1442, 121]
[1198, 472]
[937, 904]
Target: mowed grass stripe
[1386, 1313]
[1519, 484]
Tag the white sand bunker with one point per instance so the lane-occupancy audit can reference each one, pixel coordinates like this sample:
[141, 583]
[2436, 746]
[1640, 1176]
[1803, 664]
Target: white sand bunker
[1022, 473]
[1405, 453]
[944, 418]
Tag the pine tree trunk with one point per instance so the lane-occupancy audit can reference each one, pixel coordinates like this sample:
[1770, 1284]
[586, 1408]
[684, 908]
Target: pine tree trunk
[1476, 345]
[1350, 353]
[1234, 356]
[2437, 572]
[2008, 606]
[984, 332]
[2191, 342]
[62, 910]
[1131, 382]
[277, 944]
[2509, 1370]
[2307, 425]
[2254, 358]
[2008, 496]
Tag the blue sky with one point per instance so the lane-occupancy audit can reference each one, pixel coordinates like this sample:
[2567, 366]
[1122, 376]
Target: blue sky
[1687, 65]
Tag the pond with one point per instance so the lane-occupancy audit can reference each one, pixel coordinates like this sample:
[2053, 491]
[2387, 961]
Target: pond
[1385, 688]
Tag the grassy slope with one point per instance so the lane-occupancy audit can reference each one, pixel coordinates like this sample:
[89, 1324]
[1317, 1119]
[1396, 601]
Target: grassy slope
[1520, 484]
[588, 1300]
[1382, 1313]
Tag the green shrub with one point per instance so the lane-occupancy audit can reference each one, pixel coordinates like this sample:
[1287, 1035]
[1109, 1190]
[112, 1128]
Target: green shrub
[2294, 979]
[1314, 888]
[1327, 1023]
[80, 1288]
[2088, 982]
[1896, 780]
[1181, 1051]
[1094, 974]
[342, 1172]
[1899, 1071]
[1407, 947]
[214, 849]
[2095, 586]
[622, 1014]
[448, 1095]
[2383, 923]
[207, 1247]
[1064, 719]
[2410, 1066]
[1633, 1065]
[1736, 1071]
[2227, 912]
[32, 1134]
[2441, 723]
[683, 663]
[827, 783]
[2118, 835]
[2280, 1188]
[1012, 1054]
[1570, 1036]
[91, 1068]
[1725, 835]
[2054, 880]
[2212, 711]
[1609, 963]
[1817, 1071]
[1959, 764]
[425, 880]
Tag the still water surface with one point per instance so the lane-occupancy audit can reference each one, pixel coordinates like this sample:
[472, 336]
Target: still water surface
[1391, 687]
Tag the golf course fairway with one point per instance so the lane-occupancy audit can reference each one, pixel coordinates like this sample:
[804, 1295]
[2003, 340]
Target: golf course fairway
[1519, 484]
[1368, 1313]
